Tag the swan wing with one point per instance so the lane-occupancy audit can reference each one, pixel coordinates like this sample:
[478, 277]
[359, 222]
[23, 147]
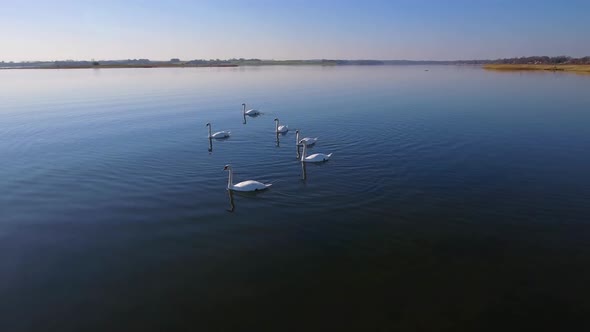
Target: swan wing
[318, 157]
[250, 185]
[221, 134]
[309, 140]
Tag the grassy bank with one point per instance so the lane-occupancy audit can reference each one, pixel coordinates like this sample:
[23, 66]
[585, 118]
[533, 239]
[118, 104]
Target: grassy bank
[512, 67]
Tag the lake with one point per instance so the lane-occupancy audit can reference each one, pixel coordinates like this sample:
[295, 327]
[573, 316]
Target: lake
[456, 199]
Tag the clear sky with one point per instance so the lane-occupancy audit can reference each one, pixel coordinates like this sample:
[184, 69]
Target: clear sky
[369, 29]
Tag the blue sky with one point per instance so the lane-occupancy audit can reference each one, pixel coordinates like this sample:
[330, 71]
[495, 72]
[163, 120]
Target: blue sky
[370, 29]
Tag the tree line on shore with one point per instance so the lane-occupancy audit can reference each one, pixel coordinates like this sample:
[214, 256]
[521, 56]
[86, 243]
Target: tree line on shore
[544, 60]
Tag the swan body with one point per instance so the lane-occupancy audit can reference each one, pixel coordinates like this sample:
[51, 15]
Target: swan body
[314, 158]
[219, 134]
[309, 141]
[251, 112]
[280, 128]
[248, 185]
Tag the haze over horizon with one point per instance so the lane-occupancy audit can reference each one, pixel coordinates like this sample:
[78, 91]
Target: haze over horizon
[375, 29]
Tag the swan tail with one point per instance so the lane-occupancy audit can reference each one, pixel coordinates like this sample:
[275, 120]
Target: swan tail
[268, 184]
[329, 155]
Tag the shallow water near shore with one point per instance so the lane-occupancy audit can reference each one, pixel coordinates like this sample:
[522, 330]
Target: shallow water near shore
[456, 199]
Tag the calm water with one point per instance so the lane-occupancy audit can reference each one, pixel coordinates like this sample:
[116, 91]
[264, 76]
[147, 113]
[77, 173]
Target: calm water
[456, 199]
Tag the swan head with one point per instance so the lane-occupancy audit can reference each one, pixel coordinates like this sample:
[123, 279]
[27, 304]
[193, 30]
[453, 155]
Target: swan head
[297, 131]
[276, 119]
[243, 104]
[208, 124]
[226, 167]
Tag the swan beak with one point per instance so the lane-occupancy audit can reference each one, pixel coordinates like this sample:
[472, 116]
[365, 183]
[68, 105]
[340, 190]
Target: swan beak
[225, 167]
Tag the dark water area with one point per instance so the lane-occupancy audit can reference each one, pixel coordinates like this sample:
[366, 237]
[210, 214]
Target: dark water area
[456, 200]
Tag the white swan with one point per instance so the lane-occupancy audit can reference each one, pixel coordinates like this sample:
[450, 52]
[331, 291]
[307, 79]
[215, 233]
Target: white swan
[314, 158]
[248, 185]
[308, 140]
[219, 134]
[250, 112]
[280, 128]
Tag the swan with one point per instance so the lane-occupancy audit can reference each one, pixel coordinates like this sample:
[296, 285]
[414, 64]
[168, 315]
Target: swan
[314, 158]
[248, 185]
[280, 128]
[251, 112]
[308, 140]
[219, 134]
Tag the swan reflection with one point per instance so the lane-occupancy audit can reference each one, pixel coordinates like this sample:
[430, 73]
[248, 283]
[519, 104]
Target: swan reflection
[278, 140]
[303, 171]
[232, 206]
[243, 195]
[210, 149]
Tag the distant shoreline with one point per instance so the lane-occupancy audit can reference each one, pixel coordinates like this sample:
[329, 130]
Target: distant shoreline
[120, 66]
[176, 63]
[582, 68]
[555, 63]
[526, 67]
[128, 66]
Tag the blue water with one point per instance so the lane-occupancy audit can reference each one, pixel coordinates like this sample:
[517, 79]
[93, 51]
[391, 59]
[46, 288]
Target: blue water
[456, 199]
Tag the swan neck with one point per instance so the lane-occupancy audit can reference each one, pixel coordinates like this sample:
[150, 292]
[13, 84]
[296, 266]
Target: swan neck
[209, 130]
[303, 155]
[297, 138]
[277, 125]
[230, 179]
